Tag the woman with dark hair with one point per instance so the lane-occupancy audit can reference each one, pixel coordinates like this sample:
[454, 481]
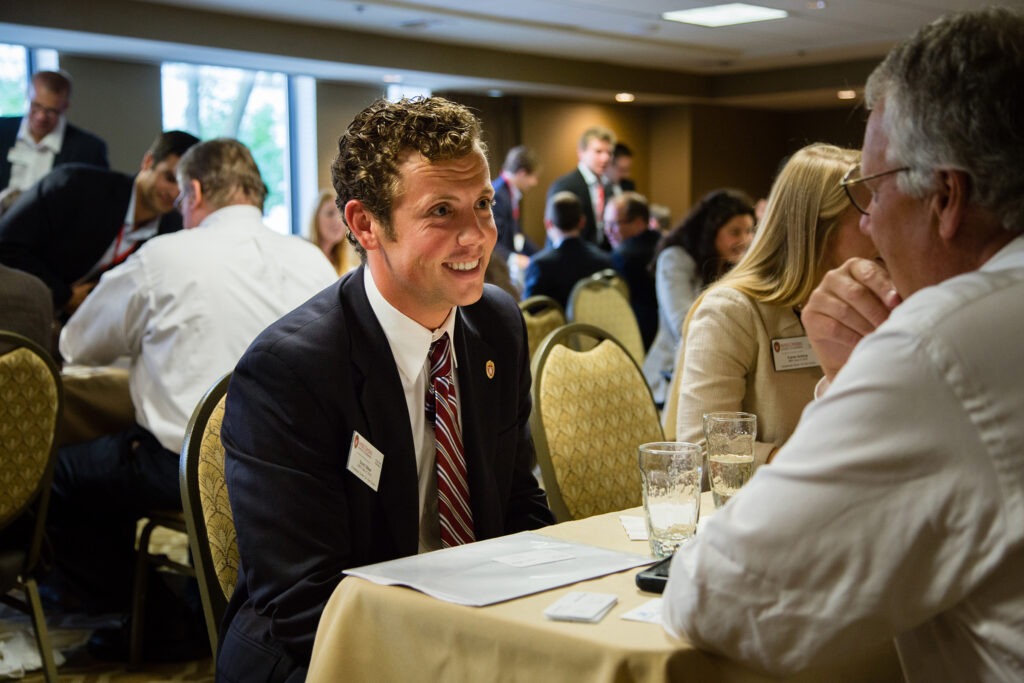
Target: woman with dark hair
[706, 244]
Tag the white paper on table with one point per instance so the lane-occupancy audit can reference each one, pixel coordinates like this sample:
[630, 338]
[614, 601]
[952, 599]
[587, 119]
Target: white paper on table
[635, 526]
[471, 575]
[649, 612]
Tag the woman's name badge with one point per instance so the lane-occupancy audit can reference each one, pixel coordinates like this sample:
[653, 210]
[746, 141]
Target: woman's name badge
[793, 353]
[365, 461]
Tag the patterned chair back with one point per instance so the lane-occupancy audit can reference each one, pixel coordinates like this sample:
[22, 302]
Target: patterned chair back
[204, 493]
[599, 301]
[542, 315]
[31, 398]
[591, 409]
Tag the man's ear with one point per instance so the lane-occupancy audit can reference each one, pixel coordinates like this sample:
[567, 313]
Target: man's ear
[360, 222]
[949, 203]
[147, 161]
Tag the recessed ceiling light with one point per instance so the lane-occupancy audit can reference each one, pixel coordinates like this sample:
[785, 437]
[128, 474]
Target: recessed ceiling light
[847, 94]
[725, 15]
[625, 97]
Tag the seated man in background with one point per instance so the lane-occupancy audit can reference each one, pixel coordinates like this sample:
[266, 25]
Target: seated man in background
[627, 223]
[33, 144]
[183, 308]
[554, 270]
[894, 510]
[362, 373]
[79, 221]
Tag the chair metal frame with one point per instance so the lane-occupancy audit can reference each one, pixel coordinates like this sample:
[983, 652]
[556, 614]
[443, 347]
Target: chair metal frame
[213, 598]
[568, 335]
[38, 503]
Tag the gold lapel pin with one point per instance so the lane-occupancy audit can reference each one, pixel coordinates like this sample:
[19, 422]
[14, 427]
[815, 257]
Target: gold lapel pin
[490, 369]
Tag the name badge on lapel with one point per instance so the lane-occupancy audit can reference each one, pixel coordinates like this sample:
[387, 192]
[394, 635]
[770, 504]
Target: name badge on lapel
[793, 353]
[365, 461]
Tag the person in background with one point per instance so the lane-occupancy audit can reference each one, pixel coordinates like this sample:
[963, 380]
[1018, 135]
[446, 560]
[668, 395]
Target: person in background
[25, 307]
[709, 240]
[556, 269]
[627, 222]
[183, 308]
[744, 347]
[620, 170]
[345, 375]
[893, 512]
[33, 144]
[79, 220]
[588, 182]
[518, 175]
[328, 231]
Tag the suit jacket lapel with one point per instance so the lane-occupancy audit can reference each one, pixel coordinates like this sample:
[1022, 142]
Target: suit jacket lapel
[479, 410]
[385, 421]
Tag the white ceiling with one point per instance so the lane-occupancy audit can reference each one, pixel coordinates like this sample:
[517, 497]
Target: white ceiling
[621, 31]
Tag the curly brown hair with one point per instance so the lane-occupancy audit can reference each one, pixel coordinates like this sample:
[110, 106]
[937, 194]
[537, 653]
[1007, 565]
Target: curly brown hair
[374, 144]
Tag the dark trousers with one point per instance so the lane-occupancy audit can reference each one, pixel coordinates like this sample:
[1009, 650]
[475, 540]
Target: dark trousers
[100, 489]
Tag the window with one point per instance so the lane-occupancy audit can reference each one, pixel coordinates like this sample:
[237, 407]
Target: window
[13, 79]
[252, 106]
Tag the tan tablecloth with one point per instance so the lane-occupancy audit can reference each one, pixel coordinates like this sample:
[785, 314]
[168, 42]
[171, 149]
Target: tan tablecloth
[386, 633]
[96, 402]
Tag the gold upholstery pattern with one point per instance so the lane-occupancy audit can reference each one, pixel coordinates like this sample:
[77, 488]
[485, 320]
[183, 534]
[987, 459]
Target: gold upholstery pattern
[599, 302]
[591, 410]
[542, 315]
[213, 496]
[28, 418]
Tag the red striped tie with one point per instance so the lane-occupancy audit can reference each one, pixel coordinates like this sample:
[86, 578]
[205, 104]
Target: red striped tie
[452, 485]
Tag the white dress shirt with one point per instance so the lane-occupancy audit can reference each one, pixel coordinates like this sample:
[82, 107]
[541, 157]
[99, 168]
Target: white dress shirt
[31, 160]
[894, 511]
[410, 345]
[595, 185]
[186, 305]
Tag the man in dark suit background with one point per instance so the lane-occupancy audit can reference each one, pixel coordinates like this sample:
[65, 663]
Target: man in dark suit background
[568, 258]
[620, 170]
[518, 174]
[33, 144]
[627, 222]
[80, 220]
[341, 383]
[588, 182]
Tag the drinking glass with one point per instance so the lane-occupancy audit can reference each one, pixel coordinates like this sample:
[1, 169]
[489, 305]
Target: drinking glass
[670, 473]
[729, 438]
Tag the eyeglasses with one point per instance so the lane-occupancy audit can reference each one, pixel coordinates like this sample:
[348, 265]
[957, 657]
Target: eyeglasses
[861, 195]
[178, 200]
[49, 112]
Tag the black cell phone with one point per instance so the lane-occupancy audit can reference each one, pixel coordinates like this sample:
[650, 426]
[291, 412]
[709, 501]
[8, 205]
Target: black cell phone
[653, 578]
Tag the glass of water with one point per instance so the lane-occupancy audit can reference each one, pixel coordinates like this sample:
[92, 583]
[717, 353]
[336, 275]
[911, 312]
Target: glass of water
[729, 438]
[670, 474]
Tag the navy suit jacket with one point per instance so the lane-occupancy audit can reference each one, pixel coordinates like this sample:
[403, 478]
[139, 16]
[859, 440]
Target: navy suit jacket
[554, 272]
[504, 218]
[79, 146]
[305, 385]
[631, 259]
[61, 226]
[574, 182]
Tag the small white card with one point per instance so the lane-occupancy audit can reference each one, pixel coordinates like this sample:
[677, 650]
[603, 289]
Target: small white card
[636, 527]
[533, 557]
[793, 353]
[649, 612]
[581, 606]
[365, 461]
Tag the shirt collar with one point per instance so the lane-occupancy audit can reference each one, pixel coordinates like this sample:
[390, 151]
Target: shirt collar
[1010, 256]
[53, 141]
[588, 175]
[513, 190]
[410, 342]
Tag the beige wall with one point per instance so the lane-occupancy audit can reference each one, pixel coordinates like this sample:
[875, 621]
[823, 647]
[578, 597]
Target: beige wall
[120, 102]
[336, 105]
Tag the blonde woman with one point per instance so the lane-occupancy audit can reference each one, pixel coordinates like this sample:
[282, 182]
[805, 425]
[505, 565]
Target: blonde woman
[744, 347]
[327, 230]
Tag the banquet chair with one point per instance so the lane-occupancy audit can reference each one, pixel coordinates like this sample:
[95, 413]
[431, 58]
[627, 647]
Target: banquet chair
[597, 300]
[204, 493]
[30, 405]
[591, 409]
[610, 276]
[542, 315]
